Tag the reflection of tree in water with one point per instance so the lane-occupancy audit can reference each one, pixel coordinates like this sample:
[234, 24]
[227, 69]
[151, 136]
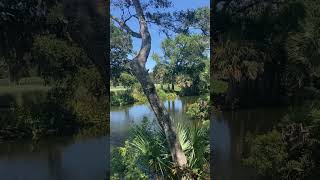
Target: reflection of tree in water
[55, 162]
[232, 128]
[173, 107]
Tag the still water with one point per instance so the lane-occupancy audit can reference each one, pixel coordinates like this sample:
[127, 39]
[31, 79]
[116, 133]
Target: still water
[122, 118]
[228, 132]
[63, 158]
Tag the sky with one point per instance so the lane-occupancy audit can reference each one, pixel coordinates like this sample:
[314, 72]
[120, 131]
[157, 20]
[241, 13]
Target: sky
[156, 37]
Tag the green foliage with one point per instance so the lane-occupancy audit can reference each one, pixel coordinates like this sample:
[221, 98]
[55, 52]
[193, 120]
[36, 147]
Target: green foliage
[193, 19]
[293, 153]
[120, 98]
[88, 99]
[128, 80]
[57, 59]
[199, 110]
[39, 110]
[143, 155]
[219, 87]
[146, 154]
[267, 153]
[124, 164]
[185, 58]
[166, 96]
[121, 46]
[194, 141]
[303, 49]
[240, 59]
[256, 44]
[21, 22]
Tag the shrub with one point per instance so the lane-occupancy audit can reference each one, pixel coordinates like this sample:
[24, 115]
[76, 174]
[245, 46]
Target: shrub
[267, 153]
[120, 98]
[146, 153]
[199, 110]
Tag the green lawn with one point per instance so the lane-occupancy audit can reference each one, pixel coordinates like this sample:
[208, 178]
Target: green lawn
[117, 88]
[23, 81]
[16, 89]
[165, 87]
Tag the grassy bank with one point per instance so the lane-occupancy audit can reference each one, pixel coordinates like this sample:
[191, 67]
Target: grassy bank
[33, 110]
[124, 96]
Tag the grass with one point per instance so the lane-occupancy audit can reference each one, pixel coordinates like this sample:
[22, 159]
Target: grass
[28, 89]
[23, 81]
[22, 89]
[117, 88]
[165, 87]
[158, 86]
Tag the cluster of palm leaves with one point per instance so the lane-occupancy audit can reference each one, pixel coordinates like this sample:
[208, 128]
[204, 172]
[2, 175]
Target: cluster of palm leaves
[152, 156]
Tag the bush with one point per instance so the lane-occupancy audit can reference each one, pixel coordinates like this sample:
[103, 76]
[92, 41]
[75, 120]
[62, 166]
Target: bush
[146, 154]
[267, 153]
[166, 96]
[199, 110]
[278, 156]
[120, 98]
[219, 87]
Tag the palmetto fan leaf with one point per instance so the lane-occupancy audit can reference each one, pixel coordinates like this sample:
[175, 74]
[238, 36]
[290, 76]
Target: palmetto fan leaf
[155, 158]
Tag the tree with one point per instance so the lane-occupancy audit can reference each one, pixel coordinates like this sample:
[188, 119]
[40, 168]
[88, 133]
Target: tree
[137, 66]
[20, 21]
[191, 20]
[159, 72]
[121, 46]
[56, 58]
[185, 58]
[248, 50]
[303, 52]
[88, 27]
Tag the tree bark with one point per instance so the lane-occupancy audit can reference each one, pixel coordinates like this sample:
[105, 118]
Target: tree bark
[163, 117]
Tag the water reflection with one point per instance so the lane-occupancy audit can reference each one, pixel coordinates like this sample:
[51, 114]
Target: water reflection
[122, 118]
[228, 132]
[54, 159]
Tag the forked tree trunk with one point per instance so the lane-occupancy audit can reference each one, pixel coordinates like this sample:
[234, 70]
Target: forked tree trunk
[163, 117]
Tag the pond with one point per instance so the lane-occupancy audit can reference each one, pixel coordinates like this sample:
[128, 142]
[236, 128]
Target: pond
[122, 118]
[228, 132]
[63, 158]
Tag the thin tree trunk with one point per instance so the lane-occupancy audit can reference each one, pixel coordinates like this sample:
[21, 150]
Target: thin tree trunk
[138, 69]
[161, 113]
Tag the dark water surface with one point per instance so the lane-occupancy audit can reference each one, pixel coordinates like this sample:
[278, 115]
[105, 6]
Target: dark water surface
[63, 158]
[122, 118]
[228, 132]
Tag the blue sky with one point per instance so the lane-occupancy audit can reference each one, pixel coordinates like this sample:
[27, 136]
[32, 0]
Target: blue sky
[157, 37]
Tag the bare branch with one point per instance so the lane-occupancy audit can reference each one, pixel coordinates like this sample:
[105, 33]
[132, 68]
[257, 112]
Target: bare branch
[124, 26]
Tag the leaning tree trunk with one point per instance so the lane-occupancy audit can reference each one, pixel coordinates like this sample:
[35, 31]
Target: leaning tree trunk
[163, 117]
